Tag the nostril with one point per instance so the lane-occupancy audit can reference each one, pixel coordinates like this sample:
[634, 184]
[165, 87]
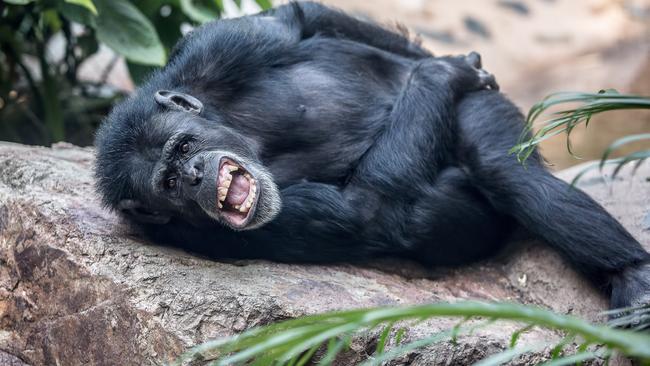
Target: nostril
[194, 171]
[194, 177]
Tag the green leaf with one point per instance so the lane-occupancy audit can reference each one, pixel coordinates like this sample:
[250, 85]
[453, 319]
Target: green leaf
[201, 11]
[505, 356]
[620, 142]
[18, 2]
[515, 336]
[383, 338]
[264, 4]
[122, 27]
[285, 341]
[139, 73]
[402, 350]
[566, 120]
[77, 14]
[88, 4]
[334, 346]
[574, 359]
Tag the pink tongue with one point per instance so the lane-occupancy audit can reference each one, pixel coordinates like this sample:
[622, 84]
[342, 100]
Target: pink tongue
[238, 190]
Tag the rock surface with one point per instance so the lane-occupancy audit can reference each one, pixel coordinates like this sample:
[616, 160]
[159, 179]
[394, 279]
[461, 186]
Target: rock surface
[79, 287]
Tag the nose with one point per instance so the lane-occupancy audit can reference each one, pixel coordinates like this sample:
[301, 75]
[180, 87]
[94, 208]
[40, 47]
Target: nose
[193, 171]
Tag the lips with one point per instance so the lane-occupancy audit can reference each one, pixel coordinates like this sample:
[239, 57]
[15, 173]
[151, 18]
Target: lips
[237, 193]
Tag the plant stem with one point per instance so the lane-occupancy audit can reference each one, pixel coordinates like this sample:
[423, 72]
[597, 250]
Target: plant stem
[52, 112]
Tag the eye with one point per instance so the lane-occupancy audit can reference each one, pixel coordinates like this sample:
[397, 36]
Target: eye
[170, 182]
[185, 147]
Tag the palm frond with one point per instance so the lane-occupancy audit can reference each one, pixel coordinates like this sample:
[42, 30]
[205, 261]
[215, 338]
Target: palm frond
[296, 341]
[564, 121]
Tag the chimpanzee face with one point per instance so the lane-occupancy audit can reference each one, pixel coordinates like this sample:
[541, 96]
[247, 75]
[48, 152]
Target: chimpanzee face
[186, 166]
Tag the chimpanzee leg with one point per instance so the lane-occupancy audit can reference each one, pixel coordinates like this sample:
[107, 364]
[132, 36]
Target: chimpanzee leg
[310, 18]
[565, 217]
[453, 223]
[420, 135]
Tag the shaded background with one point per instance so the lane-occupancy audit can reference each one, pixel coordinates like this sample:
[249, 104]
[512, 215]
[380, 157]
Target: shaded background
[534, 47]
[537, 47]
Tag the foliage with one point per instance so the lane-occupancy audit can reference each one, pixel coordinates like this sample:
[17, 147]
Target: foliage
[295, 342]
[566, 120]
[41, 98]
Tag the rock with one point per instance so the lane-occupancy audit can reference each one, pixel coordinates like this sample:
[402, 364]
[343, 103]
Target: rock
[79, 287]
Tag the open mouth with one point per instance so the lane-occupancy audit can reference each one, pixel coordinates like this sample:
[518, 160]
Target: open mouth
[237, 193]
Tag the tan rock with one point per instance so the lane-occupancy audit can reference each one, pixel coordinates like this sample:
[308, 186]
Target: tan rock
[77, 287]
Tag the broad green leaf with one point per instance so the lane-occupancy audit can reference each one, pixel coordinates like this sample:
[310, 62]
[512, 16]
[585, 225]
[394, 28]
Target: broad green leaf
[201, 11]
[50, 18]
[122, 27]
[88, 4]
[139, 73]
[18, 2]
[264, 4]
[77, 14]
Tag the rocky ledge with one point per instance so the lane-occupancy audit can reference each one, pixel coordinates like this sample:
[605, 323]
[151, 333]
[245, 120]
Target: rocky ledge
[79, 287]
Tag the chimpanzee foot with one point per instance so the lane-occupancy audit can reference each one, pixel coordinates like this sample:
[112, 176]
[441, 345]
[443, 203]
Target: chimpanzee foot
[461, 74]
[631, 292]
[486, 80]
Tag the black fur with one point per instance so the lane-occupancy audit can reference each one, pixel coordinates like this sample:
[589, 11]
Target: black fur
[377, 147]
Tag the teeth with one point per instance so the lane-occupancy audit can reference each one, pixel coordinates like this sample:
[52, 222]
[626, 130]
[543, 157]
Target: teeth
[224, 185]
[222, 193]
[224, 182]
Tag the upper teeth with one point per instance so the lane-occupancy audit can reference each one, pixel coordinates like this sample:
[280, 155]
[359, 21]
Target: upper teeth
[224, 185]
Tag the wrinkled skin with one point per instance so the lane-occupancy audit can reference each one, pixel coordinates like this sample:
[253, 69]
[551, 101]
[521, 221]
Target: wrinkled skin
[358, 143]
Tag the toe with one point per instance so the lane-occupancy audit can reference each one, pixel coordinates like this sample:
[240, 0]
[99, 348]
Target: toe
[488, 80]
[474, 59]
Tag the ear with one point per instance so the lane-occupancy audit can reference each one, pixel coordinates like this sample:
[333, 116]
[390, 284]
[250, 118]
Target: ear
[135, 210]
[178, 101]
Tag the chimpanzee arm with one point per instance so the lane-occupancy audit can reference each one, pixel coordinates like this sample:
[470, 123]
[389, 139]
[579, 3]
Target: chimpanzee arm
[310, 18]
[317, 224]
[419, 136]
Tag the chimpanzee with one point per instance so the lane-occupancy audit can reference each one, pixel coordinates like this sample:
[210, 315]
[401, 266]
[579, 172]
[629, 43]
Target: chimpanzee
[303, 134]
